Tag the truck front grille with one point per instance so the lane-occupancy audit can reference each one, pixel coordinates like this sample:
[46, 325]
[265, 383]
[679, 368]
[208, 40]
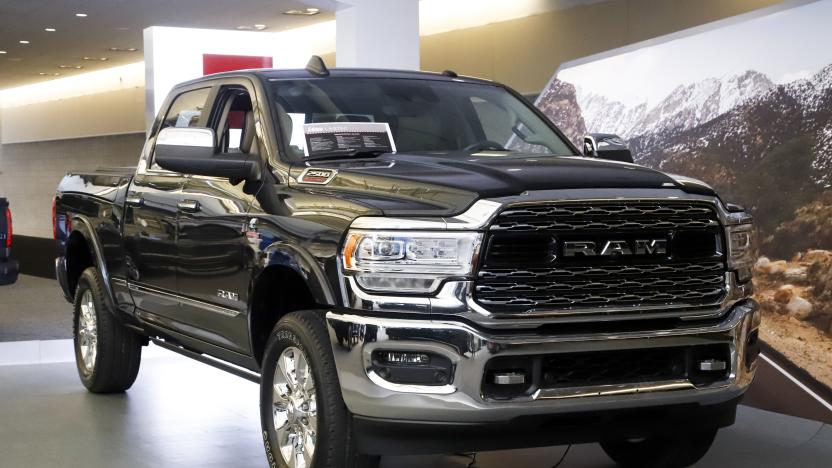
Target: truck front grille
[527, 268]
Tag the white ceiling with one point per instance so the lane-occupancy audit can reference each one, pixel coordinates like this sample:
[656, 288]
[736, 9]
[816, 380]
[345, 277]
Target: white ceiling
[115, 23]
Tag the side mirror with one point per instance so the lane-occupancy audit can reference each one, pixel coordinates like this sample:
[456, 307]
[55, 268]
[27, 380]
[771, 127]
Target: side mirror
[607, 146]
[193, 151]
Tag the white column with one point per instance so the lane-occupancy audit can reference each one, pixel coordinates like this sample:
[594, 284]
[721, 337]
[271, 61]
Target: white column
[377, 34]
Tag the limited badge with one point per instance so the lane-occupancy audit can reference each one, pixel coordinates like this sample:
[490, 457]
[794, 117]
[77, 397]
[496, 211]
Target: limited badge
[311, 175]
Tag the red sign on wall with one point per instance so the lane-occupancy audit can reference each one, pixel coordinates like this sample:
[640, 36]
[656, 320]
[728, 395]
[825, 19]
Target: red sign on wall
[215, 63]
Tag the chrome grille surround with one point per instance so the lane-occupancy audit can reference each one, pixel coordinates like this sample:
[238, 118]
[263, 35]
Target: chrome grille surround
[622, 287]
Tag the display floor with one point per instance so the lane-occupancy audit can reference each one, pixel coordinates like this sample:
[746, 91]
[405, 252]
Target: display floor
[185, 414]
[33, 308]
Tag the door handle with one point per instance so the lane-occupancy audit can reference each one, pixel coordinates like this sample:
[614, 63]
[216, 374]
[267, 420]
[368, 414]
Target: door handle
[134, 200]
[190, 206]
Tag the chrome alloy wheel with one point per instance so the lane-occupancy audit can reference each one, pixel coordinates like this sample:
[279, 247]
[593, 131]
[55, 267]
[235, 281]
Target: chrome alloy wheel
[295, 408]
[88, 331]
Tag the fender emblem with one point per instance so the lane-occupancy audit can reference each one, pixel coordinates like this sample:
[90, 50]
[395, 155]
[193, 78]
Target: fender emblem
[311, 175]
[231, 296]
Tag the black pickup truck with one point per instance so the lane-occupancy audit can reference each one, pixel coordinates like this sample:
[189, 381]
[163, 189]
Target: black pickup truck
[413, 262]
[8, 267]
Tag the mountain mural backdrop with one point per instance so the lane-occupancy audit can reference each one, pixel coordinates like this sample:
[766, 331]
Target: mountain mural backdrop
[766, 146]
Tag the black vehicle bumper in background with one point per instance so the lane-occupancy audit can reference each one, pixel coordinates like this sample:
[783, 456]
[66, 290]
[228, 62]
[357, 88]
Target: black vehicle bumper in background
[8, 271]
[373, 355]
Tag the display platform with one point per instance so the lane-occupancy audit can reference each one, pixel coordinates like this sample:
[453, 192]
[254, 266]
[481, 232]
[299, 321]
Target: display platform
[183, 414]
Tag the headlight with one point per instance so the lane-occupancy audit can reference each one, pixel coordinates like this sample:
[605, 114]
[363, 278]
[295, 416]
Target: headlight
[741, 244]
[408, 261]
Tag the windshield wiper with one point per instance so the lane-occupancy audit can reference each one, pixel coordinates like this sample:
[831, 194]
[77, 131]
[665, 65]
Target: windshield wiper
[486, 145]
[360, 153]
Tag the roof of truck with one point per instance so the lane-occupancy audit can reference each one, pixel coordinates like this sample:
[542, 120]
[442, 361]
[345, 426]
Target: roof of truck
[270, 74]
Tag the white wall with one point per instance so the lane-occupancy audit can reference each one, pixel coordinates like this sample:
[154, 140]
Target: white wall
[174, 55]
[104, 102]
[107, 113]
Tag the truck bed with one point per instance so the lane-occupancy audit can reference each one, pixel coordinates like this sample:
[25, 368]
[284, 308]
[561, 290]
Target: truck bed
[102, 183]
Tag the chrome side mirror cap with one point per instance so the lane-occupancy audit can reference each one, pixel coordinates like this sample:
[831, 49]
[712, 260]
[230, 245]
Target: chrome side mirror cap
[607, 146]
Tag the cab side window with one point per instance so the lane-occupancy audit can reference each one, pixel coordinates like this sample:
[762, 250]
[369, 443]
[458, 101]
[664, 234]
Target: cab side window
[186, 109]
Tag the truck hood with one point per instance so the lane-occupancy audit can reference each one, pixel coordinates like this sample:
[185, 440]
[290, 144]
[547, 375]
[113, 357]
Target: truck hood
[446, 184]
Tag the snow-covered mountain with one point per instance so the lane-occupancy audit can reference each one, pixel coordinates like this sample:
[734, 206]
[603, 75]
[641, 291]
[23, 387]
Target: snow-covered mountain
[754, 128]
[606, 116]
[685, 107]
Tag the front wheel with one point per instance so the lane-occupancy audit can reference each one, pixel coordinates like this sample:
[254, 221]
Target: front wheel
[674, 451]
[305, 422]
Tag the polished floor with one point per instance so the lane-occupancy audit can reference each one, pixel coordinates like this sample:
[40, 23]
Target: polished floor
[185, 414]
[33, 308]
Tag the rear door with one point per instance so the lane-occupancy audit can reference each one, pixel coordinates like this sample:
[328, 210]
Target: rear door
[216, 256]
[151, 219]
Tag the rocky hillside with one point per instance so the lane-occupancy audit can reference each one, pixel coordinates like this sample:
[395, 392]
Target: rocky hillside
[560, 103]
[796, 300]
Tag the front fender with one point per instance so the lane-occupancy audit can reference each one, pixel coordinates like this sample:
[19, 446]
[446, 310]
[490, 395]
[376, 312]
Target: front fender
[290, 256]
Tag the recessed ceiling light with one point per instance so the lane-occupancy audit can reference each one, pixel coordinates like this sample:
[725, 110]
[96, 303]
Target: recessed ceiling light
[49, 29]
[77, 67]
[254, 27]
[304, 12]
[49, 74]
[122, 49]
[24, 42]
[95, 59]
[81, 15]
[2, 51]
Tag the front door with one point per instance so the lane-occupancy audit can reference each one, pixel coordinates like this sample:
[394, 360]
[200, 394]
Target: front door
[216, 258]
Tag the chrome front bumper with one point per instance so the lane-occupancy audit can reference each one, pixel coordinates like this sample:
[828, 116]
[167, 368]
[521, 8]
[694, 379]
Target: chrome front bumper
[354, 338]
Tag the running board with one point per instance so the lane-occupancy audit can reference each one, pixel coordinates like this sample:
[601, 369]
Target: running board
[213, 362]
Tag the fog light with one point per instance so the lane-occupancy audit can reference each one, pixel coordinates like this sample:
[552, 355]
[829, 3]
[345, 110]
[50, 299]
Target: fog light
[412, 367]
[509, 378]
[712, 365]
[410, 359]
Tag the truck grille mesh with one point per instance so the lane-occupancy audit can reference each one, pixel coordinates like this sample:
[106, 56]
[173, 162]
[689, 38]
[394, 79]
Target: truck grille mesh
[524, 269]
[605, 216]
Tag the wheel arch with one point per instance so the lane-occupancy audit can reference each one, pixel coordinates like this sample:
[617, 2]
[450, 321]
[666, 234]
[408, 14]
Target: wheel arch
[289, 281]
[83, 251]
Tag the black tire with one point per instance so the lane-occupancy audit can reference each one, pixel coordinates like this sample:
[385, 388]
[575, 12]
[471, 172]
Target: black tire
[676, 451]
[118, 350]
[306, 331]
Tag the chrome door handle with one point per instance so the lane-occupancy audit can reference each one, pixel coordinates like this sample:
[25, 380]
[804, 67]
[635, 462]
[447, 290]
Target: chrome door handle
[190, 206]
[134, 200]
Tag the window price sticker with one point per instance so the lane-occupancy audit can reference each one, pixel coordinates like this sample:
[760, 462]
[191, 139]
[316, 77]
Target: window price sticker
[347, 138]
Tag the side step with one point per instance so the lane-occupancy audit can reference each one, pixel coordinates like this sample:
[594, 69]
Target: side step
[213, 362]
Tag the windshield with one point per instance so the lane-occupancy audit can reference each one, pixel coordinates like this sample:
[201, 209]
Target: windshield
[424, 115]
